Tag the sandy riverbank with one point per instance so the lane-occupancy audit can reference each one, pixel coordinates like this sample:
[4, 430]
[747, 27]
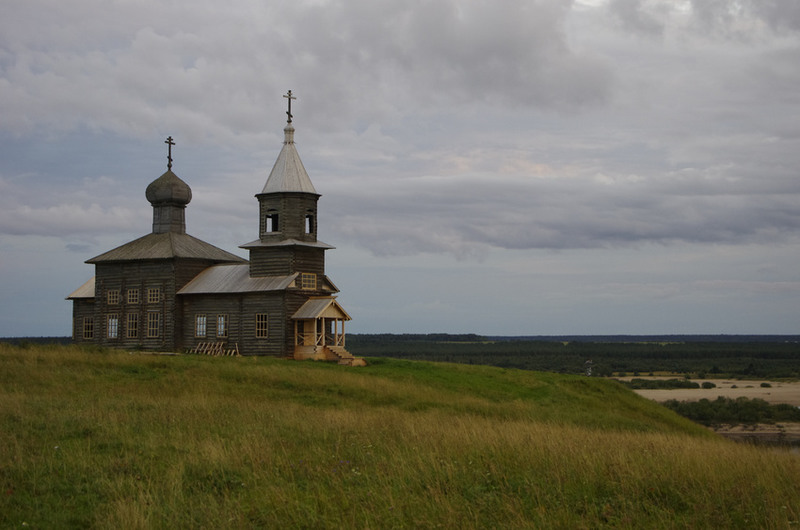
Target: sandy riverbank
[780, 433]
[731, 388]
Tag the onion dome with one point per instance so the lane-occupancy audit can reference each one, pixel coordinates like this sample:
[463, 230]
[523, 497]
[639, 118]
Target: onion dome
[168, 188]
[169, 196]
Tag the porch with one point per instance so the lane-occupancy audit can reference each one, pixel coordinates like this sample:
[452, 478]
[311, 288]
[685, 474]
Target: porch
[319, 332]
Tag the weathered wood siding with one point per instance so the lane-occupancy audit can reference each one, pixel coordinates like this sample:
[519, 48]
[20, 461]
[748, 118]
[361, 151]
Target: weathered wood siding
[271, 261]
[292, 209]
[241, 310]
[212, 305]
[82, 308]
[281, 261]
[168, 276]
[273, 305]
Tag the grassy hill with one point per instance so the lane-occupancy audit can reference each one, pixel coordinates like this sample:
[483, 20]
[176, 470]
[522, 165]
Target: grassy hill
[110, 439]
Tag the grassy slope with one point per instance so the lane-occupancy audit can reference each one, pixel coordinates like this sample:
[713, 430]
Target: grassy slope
[108, 439]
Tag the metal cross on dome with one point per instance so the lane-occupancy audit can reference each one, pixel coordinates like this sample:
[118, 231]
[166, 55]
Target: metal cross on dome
[170, 142]
[290, 97]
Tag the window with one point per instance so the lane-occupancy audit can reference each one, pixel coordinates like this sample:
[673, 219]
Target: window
[271, 221]
[113, 296]
[200, 326]
[309, 223]
[262, 325]
[112, 327]
[132, 327]
[133, 296]
[88, 327]
[153, 324]
[222, 325]
[308, 280]
[153, 295]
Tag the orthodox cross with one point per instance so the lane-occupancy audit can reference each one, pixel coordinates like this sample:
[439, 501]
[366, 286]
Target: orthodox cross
[170, 142]
[290, 97]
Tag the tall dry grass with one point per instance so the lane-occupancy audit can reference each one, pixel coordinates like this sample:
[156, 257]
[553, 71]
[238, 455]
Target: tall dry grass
[108, 439]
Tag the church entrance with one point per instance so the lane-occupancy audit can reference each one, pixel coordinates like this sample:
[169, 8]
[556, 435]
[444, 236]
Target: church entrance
[319, 332]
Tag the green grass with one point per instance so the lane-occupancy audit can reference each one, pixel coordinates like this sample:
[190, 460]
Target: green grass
[107, 439]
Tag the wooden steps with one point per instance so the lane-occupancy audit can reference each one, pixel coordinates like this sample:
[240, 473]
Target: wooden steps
[328, 353]
[215, 348]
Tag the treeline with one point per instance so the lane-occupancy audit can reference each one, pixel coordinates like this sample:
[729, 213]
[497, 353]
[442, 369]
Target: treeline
[739, 410]
[379, 338]
[29, 341]
[771, 359]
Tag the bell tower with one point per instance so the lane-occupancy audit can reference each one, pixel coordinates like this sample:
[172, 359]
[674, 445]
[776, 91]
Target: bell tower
[287, 211]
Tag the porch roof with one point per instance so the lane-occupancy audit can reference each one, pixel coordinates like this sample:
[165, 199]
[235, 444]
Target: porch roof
[319, 307]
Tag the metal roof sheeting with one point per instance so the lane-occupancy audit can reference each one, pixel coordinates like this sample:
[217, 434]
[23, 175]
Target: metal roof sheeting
[165, 246]
[221, 279]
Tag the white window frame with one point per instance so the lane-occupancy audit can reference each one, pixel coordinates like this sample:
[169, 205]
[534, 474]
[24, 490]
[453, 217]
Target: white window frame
[222, 325]
[112, 326]
[200, 325]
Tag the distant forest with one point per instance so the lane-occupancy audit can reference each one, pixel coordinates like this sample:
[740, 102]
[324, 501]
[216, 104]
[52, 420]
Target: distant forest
[744, 356]
[736, 356]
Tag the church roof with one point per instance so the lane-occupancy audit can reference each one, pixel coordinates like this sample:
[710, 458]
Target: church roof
[165, 246]
[288, 173]
[84, 291]
[234, 279]
[287, 243]
[227, 278]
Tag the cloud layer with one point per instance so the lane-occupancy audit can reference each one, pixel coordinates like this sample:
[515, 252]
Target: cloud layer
[459, 129]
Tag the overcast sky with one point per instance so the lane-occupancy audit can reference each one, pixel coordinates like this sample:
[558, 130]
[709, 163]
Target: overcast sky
[507, 168]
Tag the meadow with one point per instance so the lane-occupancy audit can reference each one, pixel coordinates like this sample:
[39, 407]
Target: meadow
[108, 439]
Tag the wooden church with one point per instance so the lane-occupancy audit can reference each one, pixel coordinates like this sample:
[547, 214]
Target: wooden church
[169, 291]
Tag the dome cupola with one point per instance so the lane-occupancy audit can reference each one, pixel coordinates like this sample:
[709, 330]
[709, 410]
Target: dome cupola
[168, 188]
[169, 196]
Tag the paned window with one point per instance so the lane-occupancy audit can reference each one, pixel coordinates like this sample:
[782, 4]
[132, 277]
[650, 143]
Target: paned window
[133, 296]
[222, 325]
[113, 296]
[200, 326]
[262, 325]
[132, 327]
[112, 327]
[153, 295]
[88, 327]
[308, 280]
[153, 324]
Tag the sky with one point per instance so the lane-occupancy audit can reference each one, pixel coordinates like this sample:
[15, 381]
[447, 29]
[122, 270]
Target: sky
[525, 167]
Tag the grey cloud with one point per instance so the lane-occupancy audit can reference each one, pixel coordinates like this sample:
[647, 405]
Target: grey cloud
[134, 69]
[741, 20]
[634, 17]
[468, 218]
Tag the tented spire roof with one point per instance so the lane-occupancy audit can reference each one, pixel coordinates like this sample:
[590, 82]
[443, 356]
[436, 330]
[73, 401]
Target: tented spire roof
[288, 174]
